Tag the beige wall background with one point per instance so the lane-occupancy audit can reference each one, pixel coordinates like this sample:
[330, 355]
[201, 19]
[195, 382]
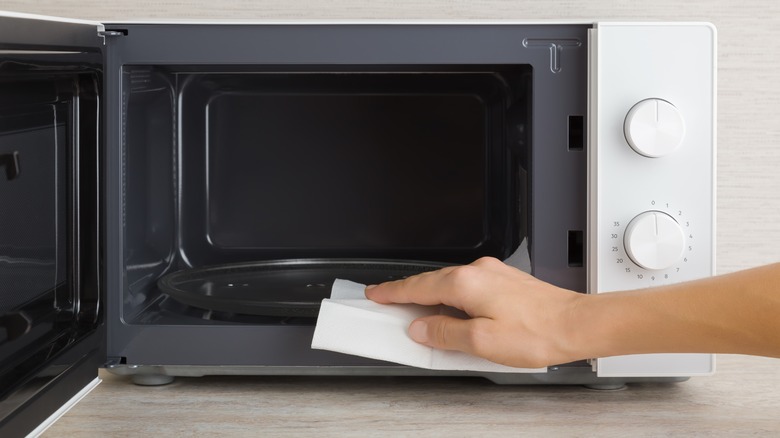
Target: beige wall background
[749, 79]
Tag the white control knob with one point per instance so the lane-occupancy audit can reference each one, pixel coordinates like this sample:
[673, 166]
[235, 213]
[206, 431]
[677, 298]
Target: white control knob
[654, 240]
[654, 128]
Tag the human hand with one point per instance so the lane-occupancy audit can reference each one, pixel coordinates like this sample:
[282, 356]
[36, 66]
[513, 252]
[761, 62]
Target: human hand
[515, 319]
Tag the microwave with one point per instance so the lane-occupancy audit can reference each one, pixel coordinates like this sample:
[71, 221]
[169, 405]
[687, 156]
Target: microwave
[177, 198]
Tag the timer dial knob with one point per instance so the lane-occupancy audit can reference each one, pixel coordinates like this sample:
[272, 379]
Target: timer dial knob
[654, 240]
[654, 128]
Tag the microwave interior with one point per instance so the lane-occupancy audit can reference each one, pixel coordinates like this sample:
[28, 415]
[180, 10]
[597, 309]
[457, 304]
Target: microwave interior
[244, 181]
[268, 183]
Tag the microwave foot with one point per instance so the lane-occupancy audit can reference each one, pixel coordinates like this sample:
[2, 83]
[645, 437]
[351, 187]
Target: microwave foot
[152, 379]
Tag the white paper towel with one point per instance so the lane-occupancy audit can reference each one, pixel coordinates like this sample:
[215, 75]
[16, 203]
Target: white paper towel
[350, 323]
[520, 259]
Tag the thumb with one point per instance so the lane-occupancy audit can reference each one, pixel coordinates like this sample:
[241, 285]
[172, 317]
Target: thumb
[444, 332]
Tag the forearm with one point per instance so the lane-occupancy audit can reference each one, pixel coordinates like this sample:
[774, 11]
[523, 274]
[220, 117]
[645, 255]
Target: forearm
[735, 313]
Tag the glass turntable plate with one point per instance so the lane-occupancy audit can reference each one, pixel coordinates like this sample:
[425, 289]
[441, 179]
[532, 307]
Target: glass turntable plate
[292, 288]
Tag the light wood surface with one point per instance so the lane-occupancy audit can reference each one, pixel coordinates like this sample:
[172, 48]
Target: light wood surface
[742, 399]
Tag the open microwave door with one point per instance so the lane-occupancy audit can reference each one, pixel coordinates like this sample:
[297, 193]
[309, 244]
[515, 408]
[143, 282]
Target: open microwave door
[52, 337]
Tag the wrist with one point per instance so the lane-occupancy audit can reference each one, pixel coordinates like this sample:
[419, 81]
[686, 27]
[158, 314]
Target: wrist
[593, 323]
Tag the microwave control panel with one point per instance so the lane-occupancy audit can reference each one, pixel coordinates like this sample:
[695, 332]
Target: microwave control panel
[651, 168]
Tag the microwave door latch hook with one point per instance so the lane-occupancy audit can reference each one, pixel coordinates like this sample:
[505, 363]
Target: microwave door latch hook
[555, 46]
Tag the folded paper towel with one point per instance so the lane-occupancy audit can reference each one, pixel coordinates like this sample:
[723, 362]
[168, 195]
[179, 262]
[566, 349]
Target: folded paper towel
[349, 323]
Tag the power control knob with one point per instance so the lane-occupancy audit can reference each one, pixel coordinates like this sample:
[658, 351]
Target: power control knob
[654, 128]
[654, 240]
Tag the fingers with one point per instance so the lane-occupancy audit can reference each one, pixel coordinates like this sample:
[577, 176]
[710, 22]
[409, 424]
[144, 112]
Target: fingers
[407, 290]
[448, 333]
[463, 287]
[453, 286]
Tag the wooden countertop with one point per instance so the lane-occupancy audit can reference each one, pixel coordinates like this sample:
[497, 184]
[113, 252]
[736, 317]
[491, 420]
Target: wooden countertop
[742, 398]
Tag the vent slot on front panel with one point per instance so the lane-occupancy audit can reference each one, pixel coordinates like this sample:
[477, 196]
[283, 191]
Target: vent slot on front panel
[576, 248]
[576, 133]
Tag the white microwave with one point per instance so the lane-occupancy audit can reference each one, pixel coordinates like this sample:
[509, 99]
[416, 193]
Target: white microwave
[179, 197]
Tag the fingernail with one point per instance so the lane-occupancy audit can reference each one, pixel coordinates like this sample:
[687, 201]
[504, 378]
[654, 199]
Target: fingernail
[370, 286]
[418, 331]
